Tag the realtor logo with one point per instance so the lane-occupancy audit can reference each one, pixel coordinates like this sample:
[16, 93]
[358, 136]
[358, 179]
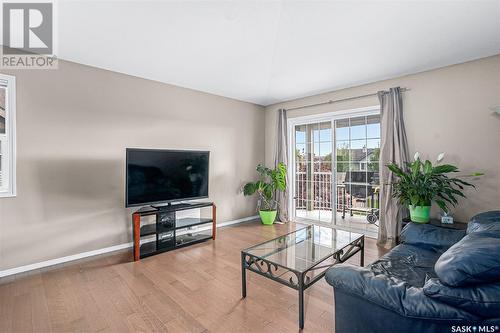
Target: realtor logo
[28, 35]
[27, 28]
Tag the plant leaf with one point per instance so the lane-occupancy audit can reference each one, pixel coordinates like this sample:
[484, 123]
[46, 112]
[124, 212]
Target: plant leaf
[280, 177]
[415, 168]
[249, 189]
[428, 167]
[445, 168]
[267, 191]
[442, 205]
[395, 169]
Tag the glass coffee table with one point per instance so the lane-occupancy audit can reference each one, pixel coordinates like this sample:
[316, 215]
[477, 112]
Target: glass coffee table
[301, 258]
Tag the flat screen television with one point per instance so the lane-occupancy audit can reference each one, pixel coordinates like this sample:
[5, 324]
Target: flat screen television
[157, 176]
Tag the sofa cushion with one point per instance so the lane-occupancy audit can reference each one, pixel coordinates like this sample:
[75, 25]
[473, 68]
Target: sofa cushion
[407, 263]
[487, 221]
[482, 299]
[474, 259]
[430, 236]
[391, 294]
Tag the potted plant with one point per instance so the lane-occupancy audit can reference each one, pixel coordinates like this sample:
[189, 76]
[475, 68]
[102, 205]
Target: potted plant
[421, 183]
[270, 181]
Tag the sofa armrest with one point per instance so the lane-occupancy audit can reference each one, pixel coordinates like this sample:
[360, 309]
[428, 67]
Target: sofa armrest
[393, 295]
[430, 236]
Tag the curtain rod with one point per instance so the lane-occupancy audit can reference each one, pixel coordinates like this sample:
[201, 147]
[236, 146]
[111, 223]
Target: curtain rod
[342, 100]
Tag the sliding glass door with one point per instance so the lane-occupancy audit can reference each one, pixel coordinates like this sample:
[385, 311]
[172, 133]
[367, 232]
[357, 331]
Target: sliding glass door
[335, 170]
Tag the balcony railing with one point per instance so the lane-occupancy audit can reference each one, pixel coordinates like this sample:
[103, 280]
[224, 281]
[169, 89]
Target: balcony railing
[316, 194]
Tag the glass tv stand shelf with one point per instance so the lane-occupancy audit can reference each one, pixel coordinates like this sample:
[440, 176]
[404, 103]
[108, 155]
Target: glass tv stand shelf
[161, 229]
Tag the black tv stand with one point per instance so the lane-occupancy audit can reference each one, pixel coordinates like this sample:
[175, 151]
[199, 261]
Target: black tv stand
[169, 231]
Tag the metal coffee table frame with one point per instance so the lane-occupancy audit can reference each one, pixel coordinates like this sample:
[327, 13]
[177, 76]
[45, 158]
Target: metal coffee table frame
[298, 280]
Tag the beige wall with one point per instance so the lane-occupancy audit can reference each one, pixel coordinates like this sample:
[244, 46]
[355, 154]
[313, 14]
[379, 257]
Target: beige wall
[73, 125]
[446, 110]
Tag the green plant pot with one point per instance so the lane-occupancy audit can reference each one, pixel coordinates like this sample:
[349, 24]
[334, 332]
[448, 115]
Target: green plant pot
[268, 216]
[420, 214]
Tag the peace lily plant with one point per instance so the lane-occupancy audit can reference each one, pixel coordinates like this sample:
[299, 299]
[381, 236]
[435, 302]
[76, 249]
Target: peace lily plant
[421, 183]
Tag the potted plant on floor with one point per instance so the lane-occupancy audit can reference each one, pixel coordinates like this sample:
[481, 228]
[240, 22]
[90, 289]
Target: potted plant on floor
[270, 181]
[421, 183]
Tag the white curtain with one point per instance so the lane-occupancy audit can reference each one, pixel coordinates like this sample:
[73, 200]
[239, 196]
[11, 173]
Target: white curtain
[282, 157]
[394, 149]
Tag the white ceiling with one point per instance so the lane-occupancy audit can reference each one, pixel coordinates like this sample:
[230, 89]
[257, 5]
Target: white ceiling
[270, 51]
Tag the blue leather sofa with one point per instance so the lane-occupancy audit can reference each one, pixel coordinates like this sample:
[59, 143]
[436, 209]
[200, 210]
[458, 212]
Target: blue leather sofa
[436, 280]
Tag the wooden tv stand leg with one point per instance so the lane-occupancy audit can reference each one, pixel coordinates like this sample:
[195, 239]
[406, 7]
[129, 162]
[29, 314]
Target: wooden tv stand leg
[214, 219]
[136, 218]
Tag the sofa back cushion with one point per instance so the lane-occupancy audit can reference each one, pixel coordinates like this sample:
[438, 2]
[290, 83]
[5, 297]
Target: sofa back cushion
[485, 222]
[474, 259]
[429, 236]
[482, 299]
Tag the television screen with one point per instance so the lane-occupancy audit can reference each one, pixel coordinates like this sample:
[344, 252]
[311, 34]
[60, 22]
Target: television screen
[155, 176]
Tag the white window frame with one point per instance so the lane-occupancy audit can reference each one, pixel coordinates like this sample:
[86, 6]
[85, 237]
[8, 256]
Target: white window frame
[9, 149]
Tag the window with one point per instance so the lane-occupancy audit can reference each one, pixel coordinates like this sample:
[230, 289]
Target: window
[7, 136]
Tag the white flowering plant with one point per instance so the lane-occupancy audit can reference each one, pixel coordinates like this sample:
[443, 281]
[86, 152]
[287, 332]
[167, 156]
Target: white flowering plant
[421, 183]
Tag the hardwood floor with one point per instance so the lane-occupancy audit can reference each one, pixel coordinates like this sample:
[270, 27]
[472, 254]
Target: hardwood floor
[194, 289]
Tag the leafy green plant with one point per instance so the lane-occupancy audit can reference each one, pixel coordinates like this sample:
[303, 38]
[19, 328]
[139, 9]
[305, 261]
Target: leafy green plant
[420, 183]
[270, 181]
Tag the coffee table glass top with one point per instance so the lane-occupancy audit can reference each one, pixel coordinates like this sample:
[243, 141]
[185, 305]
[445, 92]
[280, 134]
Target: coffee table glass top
[302, 249]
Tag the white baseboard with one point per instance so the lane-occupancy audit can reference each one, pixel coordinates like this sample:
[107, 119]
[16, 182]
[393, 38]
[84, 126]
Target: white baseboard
[52, 262]
[245, 219]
